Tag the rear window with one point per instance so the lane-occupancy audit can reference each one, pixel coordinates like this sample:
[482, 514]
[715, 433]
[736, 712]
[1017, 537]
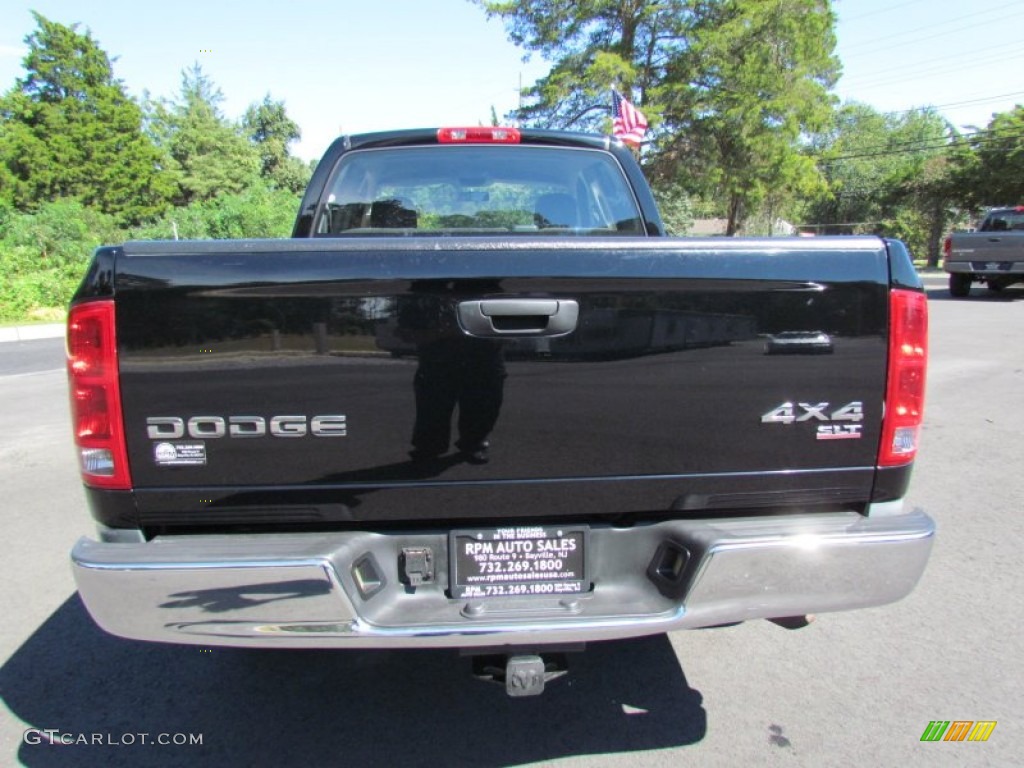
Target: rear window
[1004, 220]
[440, 189]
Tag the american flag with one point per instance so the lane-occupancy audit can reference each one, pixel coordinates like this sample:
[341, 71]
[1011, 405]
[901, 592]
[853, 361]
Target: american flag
[628, 122]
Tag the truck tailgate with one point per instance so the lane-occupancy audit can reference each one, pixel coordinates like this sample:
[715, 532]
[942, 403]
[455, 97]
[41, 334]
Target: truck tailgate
[283, 381]
[987, 250]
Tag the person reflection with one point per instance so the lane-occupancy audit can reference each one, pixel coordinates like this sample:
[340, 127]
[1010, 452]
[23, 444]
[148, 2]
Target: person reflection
[455, 370]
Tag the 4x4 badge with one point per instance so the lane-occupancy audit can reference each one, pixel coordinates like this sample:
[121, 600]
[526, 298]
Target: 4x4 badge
[836, 426]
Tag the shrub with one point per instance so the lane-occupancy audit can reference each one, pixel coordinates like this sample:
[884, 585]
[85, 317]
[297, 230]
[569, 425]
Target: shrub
[44, 255]
[255, 213]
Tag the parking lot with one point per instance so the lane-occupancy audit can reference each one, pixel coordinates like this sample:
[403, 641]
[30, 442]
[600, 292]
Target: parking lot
[850, 689]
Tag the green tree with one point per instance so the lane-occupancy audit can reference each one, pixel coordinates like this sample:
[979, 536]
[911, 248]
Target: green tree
[208, 154]
[930, 194]
[69, 130]
[989, 164]
[592, 45]
[887, 174]
[729, 86]
[675, 206]
[856, 155]
[268, 126]
[753, 80]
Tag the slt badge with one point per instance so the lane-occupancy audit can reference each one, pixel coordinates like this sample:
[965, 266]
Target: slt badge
[834, 429]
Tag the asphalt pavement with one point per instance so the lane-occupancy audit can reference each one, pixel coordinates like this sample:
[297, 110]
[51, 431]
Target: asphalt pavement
[27, 357]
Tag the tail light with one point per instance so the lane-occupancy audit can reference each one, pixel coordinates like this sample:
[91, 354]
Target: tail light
[96, 396]
[908, 361]
[479, 135]
[947, 246]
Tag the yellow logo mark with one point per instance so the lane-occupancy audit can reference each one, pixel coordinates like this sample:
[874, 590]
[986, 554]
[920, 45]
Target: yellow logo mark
[982, 730]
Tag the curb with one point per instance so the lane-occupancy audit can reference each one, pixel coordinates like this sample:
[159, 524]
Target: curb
[31, 332]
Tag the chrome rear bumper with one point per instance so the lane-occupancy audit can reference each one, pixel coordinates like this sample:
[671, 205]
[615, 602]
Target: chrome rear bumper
[1016, 268]
[300, 590]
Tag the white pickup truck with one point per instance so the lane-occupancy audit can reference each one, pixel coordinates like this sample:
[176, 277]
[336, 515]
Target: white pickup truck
[993, 254]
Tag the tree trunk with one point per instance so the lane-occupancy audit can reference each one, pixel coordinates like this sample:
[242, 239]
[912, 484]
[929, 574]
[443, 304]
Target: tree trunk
[733, 224]
[936, 226]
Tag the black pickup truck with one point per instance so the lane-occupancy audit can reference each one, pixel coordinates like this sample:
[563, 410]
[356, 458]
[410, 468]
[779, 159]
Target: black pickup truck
[479, 400]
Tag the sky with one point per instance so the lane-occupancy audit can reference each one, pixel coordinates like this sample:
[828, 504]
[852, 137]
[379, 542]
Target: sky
[343, 67]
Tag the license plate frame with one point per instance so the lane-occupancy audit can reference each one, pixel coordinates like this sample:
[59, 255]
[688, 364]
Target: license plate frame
[992, 266]
[519, 561]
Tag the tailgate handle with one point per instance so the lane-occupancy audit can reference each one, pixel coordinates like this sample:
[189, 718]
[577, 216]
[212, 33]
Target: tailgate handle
[518, 317]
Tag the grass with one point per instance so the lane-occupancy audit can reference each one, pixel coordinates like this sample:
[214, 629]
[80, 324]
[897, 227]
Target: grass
[39, 316]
